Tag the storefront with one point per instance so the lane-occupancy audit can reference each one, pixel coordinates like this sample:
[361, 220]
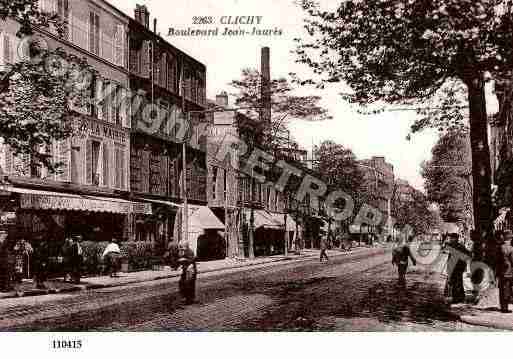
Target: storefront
[205, 232]
[53, 215]
[157, 226]
[269, 238]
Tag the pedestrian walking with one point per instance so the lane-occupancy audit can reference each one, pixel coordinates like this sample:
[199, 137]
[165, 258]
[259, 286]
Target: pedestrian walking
[187, 263]
[66, 255]
[112, 256]
[505, 270]
[323, 254]
[41, 258]
[400, 257]
[455, 289]
[76, 258]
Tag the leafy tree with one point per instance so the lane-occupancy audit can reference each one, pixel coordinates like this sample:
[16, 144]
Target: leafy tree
[414, 211]
[406, 52]
[447, 178]
[285, 107]
[38, 90]
[338, 167]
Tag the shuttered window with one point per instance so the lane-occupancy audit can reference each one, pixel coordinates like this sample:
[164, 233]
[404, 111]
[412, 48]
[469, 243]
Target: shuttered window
[63, 11]
[106, 164]
[214, 183]
[119, 45]
[120, 167]
[145, 59]
[107, 99]
[7, 49]
[94, 33]
[62, 155]
[99, 98]
[92, 162]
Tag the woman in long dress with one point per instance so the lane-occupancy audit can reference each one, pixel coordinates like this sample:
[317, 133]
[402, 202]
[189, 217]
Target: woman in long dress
[187, 283]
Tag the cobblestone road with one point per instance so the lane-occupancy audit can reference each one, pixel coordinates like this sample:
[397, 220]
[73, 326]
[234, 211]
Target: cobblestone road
[354, 292]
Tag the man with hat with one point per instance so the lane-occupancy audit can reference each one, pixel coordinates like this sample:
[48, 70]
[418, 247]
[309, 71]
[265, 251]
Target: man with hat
[187, 262]
[505, 269]
[76, 258]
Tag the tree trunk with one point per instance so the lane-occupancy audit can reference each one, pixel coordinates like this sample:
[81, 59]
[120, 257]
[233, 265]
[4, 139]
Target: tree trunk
[481, 171]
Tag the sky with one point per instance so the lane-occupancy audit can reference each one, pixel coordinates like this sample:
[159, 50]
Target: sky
[225, 57]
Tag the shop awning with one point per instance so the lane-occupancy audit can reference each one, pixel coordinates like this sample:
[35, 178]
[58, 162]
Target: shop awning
[291, 223]
[159, 201]
[264, 219]
[202, 217]
[47, 200]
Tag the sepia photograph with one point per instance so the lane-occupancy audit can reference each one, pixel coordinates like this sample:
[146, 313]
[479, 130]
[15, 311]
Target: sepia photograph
[244, 166]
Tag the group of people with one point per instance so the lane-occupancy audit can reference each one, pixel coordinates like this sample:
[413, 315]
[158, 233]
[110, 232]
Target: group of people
[454, 289]
[20, 259]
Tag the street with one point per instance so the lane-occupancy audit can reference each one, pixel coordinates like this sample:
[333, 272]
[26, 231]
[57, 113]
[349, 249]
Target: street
[355, 292]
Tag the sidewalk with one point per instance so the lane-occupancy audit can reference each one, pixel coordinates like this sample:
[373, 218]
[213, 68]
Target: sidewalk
[486, 312]
[54, 286]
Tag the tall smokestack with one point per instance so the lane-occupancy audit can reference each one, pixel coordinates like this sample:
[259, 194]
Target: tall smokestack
[265, 86]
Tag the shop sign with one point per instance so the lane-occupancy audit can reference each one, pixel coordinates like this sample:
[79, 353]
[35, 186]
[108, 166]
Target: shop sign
[105, 131]
[73, 203]
[7, 218]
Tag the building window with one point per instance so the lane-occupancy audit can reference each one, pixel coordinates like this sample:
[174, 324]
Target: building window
[119, 45]
[120, 167]
[106, 164]
[7, 49]
[94, 33]
[93, 162]
[214, 182]
[225, 185]
[63, 12]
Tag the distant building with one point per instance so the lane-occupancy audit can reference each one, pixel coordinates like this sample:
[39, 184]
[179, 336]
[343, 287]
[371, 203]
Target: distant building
[403, 191]
[379, 181]
[229, 187]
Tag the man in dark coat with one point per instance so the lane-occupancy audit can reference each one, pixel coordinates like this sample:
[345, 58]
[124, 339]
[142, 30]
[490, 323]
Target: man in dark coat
[66, 254]
[187, 283]
[41, 258]
[5, 270]
[76, 258]
[505, 270]
[400, 256]
[458, 265]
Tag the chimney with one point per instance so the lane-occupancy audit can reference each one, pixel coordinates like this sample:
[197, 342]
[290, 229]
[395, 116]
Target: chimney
[222, 99]
[265, 86]
[142, 15]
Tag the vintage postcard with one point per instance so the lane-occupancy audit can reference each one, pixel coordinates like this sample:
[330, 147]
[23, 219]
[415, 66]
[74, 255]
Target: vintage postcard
[255, 166]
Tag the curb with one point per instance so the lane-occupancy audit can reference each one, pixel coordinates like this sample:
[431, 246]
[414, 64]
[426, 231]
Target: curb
[88, 286]
[469, 319]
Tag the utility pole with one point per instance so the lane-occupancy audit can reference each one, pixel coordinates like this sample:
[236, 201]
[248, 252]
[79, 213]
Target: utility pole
[185, 209]
[251, 239]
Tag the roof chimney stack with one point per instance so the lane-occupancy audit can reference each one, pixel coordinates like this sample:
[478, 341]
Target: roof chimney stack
[142, 15]
[222, 99]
